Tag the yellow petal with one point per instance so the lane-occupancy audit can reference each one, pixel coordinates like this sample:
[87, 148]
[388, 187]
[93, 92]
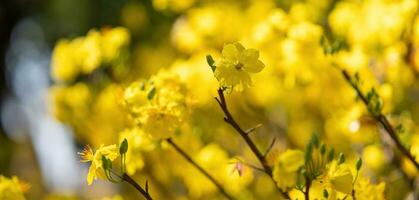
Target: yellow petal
[254, 67]
[91, 175]
[230, 52]
[343, 183]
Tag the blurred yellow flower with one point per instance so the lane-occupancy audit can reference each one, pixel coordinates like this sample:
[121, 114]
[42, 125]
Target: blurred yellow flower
[63, 67]
[286, 167]
[159, 105]
[237, 62]
[12, 188]
[113, 40]
[365, 190]
[139, 142]
[96, 170]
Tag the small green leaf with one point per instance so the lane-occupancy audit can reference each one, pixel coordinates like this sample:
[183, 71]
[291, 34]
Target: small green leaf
[331, 154]
[400, 128]
[211, 62]
[151, 93]
[106, 163]
[315, 140]
[358, 164]
[323, 149]
[308, 153]
[325, 193]
[123, 148]
[341, 158]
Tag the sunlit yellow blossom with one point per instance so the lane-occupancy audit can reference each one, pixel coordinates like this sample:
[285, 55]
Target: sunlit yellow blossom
[63, 66]
[159, 105]
[337, 178]
[12, 188]
[88, 54]
[233, 69]
[374, 157]
[113, 40]
[365, 190]
[286, 168]
[96, 169]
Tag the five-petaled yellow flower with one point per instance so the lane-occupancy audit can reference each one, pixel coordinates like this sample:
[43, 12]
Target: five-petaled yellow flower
[96, 169]
[338, 178]
[233, 69]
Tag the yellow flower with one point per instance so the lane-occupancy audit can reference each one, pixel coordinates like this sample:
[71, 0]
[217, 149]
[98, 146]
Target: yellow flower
[96, 169]
[338, 177]
[364, 190]
[112, 42]
[12, 188]
[88, 53]
[237, 62]
[159, 105]
[286, 167]
[63, 66]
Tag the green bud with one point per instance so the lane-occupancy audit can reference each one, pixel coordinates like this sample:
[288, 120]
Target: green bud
[211, 62]
[341, 158]
[323, 149]
[331, 154]
[106, 163]
[325, 193]
[315, 140]
[309, 151]
[151, 93]
[123, 148]
[358, 164]
[142, 85]
[400, 128]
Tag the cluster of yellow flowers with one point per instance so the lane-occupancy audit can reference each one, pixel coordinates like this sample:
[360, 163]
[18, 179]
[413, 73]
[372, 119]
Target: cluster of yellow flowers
[83, 55]
[298, 89]
[90, 104]
[12, 188]
[159, 105]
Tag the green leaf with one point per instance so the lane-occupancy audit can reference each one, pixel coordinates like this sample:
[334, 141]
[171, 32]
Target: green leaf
[331, 154]
[106, 163]
[341, 158]
[308, 153]
[323, 149]
[151, 93]
[325, 193]
[315, 140]
[123, 148]
[400, 128]
[358, 164]
[211, 62]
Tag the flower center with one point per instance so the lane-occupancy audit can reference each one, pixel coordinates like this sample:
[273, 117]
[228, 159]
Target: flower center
[239, 66]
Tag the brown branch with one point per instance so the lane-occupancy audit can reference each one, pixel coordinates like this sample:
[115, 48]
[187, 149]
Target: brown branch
[380, 118]
[202, 170]
[132, 182]
[228, 118]
[307, 191]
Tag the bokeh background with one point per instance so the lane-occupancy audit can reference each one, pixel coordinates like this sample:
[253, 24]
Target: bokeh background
[298, 93]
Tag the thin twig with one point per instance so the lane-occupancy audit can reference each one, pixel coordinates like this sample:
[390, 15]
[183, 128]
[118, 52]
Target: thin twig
[248, 131]
[228, 118]
[270, 147]
[202, 170]
[380, 118]
[131, 181]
